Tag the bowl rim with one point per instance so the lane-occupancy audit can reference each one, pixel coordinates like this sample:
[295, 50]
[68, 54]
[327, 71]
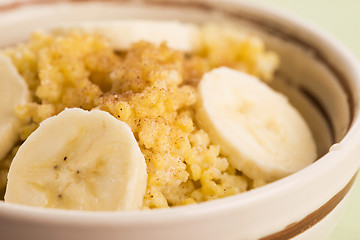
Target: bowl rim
[201, 210]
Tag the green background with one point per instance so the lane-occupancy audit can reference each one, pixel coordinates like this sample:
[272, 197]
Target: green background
[342, 19]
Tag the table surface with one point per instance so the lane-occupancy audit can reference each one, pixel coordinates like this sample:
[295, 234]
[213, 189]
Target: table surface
[342, 19]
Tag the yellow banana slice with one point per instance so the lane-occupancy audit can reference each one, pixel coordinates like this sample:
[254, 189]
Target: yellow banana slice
[121, 34]
[79, 160]
[256, 127]
[13, 91]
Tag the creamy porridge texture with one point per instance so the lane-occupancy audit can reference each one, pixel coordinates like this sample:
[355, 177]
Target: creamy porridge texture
[154, 88]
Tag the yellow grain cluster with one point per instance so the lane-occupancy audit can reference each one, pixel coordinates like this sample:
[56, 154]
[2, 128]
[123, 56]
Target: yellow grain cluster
[152, 89]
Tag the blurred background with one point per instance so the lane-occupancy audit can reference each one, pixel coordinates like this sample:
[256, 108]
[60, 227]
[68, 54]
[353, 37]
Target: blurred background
[341, 19]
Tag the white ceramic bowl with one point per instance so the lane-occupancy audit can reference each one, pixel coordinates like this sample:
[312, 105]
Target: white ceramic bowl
[321, 78]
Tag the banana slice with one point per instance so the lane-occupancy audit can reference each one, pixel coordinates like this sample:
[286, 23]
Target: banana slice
[13, 91]
[256, 127]
[79, 160]
[121, 34]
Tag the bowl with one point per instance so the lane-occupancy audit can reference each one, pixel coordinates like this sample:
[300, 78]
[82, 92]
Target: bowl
[317, 73]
